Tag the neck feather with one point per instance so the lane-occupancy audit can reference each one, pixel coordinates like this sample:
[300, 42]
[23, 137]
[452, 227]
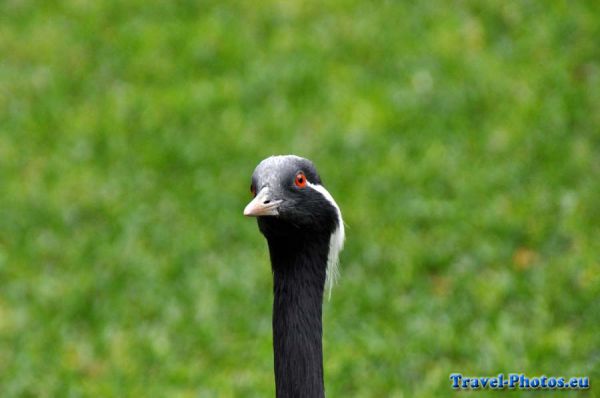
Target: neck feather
[299, 269]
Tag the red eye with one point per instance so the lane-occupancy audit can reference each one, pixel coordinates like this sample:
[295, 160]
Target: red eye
[300, 180]
[253, 190]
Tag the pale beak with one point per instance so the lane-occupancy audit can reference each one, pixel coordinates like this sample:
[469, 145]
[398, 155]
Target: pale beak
[262, 205]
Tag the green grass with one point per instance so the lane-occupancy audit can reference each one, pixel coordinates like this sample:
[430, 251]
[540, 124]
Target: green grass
[461, 140]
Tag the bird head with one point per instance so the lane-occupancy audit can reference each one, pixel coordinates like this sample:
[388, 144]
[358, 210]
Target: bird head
[289, 198]
[291, 204]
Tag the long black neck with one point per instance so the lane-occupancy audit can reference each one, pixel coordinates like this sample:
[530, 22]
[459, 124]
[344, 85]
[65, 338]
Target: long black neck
[299, 269]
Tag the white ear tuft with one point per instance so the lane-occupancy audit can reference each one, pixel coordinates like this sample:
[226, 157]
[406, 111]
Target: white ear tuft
[336, 242]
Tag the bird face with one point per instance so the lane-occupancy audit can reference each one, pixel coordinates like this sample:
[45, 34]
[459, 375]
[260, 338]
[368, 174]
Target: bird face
[289, 198]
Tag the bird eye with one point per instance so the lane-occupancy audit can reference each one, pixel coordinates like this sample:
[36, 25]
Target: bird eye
[253, 190]
[300, 180]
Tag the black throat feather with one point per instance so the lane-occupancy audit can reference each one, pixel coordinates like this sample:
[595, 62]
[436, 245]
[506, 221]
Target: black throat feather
[299, 263]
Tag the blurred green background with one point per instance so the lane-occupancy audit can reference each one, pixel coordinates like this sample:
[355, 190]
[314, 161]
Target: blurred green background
[461, 140]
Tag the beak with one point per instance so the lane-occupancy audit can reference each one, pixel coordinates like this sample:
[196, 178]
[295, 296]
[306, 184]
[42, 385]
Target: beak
[262, 205]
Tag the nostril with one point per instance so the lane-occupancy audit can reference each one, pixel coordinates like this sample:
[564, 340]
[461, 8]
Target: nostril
[266, 202]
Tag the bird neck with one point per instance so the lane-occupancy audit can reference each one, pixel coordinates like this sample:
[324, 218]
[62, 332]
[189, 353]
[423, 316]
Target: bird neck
[299, 269]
